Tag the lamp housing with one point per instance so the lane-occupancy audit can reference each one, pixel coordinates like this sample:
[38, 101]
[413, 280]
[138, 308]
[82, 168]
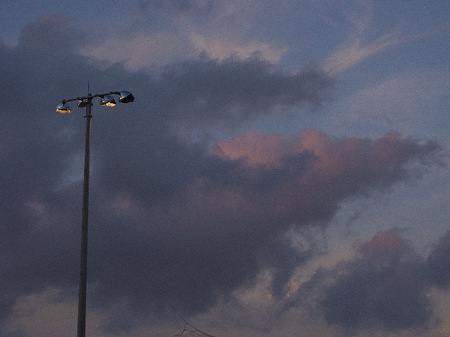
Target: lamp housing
[126, 97]
[63, 108]
[108, 100]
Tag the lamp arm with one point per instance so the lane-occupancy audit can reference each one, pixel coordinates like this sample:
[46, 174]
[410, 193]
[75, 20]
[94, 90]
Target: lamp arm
[91, 96]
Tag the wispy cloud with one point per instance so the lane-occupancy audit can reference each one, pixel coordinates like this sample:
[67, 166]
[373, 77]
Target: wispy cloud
[358, 47]
[354, 51]
[216, 48]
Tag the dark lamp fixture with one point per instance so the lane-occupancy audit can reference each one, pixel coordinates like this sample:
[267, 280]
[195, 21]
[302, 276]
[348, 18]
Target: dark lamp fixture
[126, 97]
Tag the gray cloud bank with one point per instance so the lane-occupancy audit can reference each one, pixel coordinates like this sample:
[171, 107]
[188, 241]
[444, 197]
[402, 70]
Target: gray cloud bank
[171, 223]
[384, 288]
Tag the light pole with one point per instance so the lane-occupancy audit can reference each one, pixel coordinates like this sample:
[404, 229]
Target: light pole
[86, 101]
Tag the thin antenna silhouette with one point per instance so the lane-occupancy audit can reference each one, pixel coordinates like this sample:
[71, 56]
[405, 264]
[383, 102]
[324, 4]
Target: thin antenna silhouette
[189, 328]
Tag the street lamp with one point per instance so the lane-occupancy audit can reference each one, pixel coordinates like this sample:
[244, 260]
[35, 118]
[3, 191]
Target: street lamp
[107, 99]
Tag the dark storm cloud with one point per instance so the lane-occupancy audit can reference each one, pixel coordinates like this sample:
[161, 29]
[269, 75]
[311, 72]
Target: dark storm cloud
[381, 287]
[225, 218]
[212, 91]
[170, 223]
[384, 287]
[38, 245]
[438, 264]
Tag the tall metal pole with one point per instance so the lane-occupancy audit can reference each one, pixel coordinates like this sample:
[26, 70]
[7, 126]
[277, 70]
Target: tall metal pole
[86, 101]
[81, 330]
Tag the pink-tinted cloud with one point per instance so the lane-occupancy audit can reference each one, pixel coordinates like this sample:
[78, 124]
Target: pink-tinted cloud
[388, 242]
[332, 156]
[254, 148]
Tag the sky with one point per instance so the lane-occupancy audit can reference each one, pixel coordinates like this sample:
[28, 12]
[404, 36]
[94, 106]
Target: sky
[283, 170]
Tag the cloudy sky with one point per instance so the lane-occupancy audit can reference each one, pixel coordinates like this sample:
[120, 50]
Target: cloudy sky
[283, 170]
